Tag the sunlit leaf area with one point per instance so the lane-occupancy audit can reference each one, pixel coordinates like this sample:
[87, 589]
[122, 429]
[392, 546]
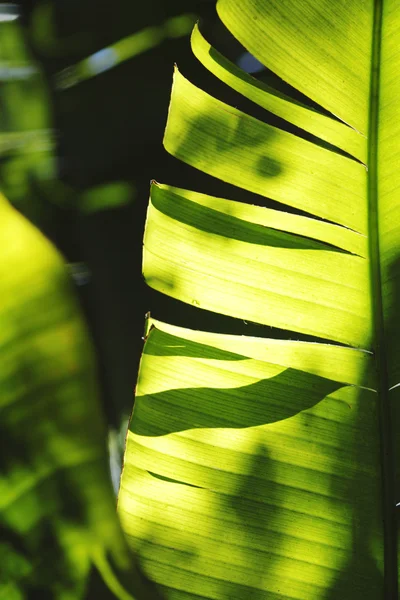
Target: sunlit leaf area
[199, 342]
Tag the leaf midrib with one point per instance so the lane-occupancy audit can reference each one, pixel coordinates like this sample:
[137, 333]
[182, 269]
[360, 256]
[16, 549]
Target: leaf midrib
[378, 344]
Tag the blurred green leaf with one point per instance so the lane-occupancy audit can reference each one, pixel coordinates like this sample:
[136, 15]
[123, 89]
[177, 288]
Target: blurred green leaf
[125, 49]
[106, 196]
[57, 508]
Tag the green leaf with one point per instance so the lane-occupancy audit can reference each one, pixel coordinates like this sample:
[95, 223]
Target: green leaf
[218, 261]
[308, 44]
[217, 139]
[263, 468]
[320, 125]
[241, 474]
[104, 197]
[57, 508]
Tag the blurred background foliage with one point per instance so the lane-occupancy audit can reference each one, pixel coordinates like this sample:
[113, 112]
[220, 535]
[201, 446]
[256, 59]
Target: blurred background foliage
[85, 91]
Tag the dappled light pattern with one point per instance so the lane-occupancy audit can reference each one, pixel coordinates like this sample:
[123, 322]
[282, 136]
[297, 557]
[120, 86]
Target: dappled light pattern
[235, 266]
[259, 491]
[332, 236]
[323, 127]
[216, 138]
[344, 365]
[211, 220]
[244, 406]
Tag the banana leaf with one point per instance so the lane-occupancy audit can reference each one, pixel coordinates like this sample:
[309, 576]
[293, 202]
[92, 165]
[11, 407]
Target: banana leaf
[260, 468]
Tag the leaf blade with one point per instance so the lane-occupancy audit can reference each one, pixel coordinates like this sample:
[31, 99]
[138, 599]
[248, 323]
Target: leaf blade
[218, 510]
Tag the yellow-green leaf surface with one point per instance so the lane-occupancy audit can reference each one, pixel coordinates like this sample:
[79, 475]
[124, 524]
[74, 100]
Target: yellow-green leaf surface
[324, 127]
[241, 475]
[241, 150]
[215, 260]
[308, 44]
[57, 509]
[262, 468]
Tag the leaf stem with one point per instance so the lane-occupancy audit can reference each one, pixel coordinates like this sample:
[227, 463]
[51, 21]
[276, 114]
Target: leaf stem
[389, 508]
